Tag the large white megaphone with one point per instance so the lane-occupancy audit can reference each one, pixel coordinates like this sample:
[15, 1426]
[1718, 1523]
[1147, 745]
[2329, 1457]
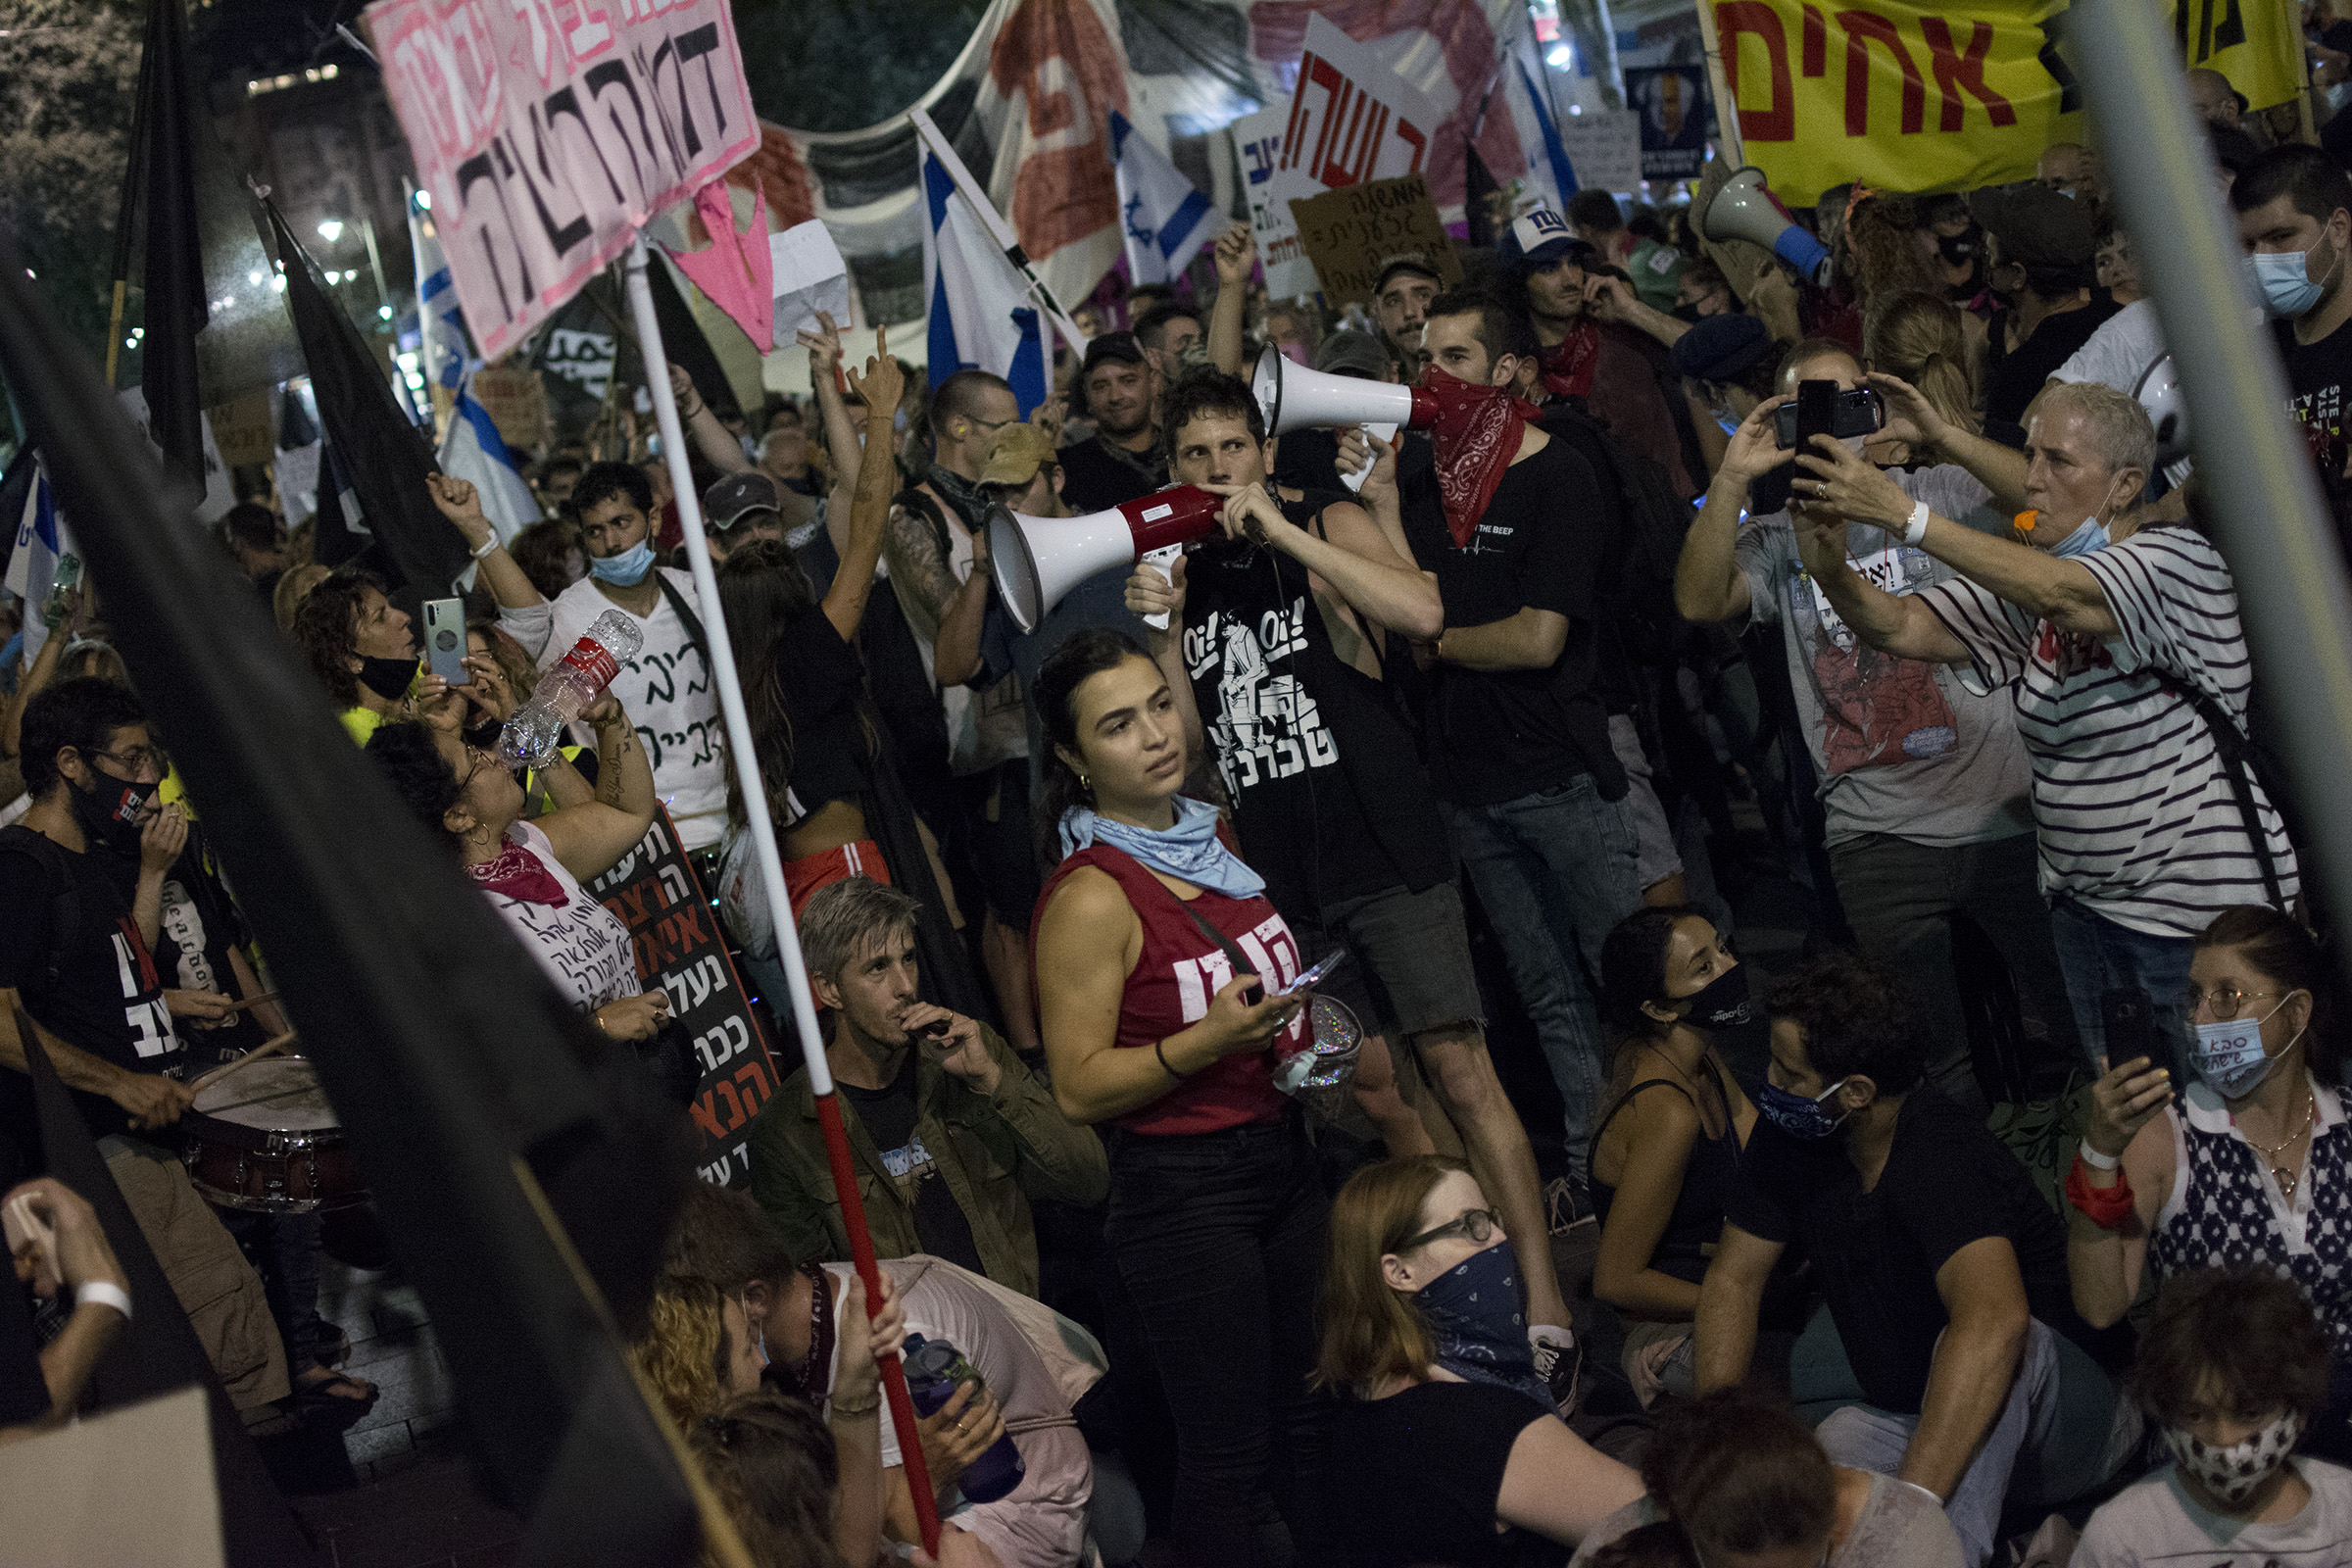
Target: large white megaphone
[1744, 210]
[1294, 398]
[2159, 392]
[1038, 560]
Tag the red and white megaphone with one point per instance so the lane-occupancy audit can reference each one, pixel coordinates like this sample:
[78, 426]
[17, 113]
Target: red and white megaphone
[1294, 398]
[1038, 560]
[1744, 210]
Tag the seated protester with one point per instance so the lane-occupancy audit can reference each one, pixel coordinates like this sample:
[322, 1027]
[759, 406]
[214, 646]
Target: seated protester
[2041, 255]
[2232, 1368]
[80, 914]
[2117, 639]
[1041, 1521]
[1446, 1448]
[1942, 1265]
[2249, 1162]
[1122, 459]
[531, 871]
[1273, 651]
[774, 1463]
[698, 1348]
[951, 1135]
[1664, 1164]
[1736, 1479]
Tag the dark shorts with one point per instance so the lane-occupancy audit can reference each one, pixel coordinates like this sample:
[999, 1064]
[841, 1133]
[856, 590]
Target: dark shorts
[996, 809]
[1408, 965]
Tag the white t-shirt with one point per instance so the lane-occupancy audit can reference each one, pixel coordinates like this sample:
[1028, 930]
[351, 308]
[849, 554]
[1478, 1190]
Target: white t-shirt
[2155, 1522]
[666, 689]
[2137, 821]
[582, 945]
[2118, 355]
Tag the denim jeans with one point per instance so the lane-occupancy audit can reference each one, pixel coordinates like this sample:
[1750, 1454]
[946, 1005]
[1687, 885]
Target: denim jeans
[1900, 898]
[2099, 956]
[1555, 870]
[1218, 1238]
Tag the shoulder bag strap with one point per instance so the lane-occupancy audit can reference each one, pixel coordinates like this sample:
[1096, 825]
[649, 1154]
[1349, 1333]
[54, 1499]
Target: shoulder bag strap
[693, 621]
[2237, 754]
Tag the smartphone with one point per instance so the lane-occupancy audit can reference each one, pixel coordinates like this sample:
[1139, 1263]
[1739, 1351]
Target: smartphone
[1821, 408]
[445, 639]
[2130, 1021]
[1313, 973]
[26, 1226]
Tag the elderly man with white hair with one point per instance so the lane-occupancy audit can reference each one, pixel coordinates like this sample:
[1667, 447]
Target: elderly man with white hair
[2120, 642]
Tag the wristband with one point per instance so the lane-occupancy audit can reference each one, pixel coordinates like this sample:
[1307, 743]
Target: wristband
[1162, 1054]
[2098, 1161]
[486, 545]
[2106, 1207]
[105, 1295]
[873, 1403]
[1917, 528]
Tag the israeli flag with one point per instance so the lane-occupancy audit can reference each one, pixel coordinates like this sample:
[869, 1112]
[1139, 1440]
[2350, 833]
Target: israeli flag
[1162, 217]
[981, 315]
[472, 449]
[438, 318]
[41, 542]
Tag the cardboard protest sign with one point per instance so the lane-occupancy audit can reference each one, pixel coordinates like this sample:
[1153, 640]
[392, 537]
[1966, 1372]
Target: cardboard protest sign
[1604, 149]
[550, 134]
[515, 401]
[241, 428]
[1258, 142]
[1672, 101]
[654, 891]
[1349, 233]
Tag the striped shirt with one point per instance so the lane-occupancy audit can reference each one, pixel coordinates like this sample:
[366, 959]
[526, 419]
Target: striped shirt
[2137, 821]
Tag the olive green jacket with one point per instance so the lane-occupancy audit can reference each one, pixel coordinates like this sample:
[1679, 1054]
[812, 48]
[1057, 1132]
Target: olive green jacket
[995, 1151]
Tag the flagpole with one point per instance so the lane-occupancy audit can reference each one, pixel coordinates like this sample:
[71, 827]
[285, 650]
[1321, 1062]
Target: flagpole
[728, 682]
[994, 222]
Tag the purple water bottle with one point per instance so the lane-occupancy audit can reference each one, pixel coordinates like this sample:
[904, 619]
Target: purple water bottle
[935, 1370]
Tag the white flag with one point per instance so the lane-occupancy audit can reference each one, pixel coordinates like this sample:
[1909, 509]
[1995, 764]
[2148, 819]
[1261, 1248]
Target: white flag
[41, 542]
[982, 315]
[472, 449]
[1162, 216]
[438, 318]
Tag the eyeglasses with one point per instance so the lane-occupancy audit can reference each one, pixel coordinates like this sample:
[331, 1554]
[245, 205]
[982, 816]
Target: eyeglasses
[1474, 1225]
[139, 758]
[2224, 999]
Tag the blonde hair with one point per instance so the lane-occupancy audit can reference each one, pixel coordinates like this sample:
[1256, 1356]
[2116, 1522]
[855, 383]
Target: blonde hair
[683, 1353]
[1918, 337]
[1371, 1331]
[294, 585]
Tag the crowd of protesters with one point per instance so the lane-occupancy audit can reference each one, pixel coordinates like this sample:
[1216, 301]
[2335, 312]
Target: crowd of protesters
[2018, 1204]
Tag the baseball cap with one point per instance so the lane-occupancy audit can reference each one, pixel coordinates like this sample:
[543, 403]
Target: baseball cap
[1540, 236]
[2037, 226]
[1017, 454]
[737, 496]
[1720, 348]
[1411, 262]
[1348, 352]
[1119, 347]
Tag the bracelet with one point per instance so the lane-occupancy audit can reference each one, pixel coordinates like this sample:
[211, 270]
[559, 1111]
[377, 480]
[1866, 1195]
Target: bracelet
[1159, 1051]
[1917, 528]
[873, 1403]
[2098, 1161]
[102, 1294]
[2106, 1207]
[486, 545]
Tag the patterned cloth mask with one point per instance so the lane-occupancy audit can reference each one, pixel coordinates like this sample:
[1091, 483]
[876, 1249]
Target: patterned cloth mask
[2231, 1474]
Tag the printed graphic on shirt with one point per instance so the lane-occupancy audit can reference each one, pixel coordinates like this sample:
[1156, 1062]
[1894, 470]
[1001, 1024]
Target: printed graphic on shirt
[911, 1165]
[1265, 725]
[1273, 954]
[1876, 710]
[183, 926]
[2321, 416]
[146, 1015]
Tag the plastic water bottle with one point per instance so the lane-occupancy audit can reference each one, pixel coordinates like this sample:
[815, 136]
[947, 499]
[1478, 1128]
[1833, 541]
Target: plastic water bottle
[570, 686]
[935, 1370]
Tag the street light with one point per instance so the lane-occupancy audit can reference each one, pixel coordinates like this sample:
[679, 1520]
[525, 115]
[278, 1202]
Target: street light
[330, 229]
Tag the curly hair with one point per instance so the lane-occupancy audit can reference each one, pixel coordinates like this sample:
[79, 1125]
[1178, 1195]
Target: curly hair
[1855, 1020]
[2251, 1328]
[1736, 1471]
[1882, 232]
[684, 1351]
[420, 776]
[325, 631]
[770, 1459]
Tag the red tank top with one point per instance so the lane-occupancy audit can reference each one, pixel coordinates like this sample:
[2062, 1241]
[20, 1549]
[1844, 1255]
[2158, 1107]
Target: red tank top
[1170, 986]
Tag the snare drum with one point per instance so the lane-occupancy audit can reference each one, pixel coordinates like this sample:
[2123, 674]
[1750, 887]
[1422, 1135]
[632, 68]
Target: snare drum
[264, 1139]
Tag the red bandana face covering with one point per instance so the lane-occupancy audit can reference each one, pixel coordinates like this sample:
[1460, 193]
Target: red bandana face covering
[515, 873]
[1568, 363]
[1477, 434]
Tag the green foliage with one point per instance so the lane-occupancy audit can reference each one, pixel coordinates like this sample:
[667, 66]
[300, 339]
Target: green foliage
[842, 65]
[68, 81]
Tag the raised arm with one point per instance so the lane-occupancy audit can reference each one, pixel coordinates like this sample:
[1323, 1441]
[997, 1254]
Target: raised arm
[869, 508]
[2128, 1122]
[1999, 468]
[709, 437]
[1975, 1360]
[1898, 626]
[1354, 559]
[954, 609]
[462, 505]
[1151, 593]
[44, 667]
[833, 411]
[1379, 496]
[1612, 299]
[1708, 584]
[1237, 253]
[588, 838]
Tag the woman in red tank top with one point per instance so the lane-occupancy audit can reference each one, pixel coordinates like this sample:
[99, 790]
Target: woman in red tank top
[1157, 957]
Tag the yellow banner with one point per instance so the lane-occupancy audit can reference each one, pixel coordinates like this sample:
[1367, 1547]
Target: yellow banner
[1926, 98]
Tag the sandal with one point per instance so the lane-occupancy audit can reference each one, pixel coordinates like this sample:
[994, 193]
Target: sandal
[320, 1405]
[335, 1351]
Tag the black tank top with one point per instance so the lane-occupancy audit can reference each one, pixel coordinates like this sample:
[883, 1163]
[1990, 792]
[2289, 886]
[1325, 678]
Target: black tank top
[1707, 1181]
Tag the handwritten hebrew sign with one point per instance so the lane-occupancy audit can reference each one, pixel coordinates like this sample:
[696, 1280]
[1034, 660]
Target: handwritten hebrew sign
[1349, 233]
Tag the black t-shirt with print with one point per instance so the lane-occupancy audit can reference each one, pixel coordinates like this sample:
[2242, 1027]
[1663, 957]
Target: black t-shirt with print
[107, 995]
[199, 930]
[889, 1116]
[2318, 375]
[2012, 380]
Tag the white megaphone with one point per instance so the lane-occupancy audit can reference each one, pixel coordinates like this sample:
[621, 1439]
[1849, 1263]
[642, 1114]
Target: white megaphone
[1038, 560]
[1294, 398]
[1744, 210]
[2159, 392]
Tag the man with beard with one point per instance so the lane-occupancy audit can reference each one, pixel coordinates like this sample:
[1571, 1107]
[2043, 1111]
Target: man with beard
[1121, 459]
[1400, 300]
[1273, 647]
[1613, 368]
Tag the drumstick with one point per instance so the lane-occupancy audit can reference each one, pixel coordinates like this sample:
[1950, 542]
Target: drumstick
[272, 1049]
[253, 1001]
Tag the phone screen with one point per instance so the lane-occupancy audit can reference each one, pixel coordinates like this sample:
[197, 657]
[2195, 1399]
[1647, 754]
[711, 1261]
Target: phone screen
[1312, 974]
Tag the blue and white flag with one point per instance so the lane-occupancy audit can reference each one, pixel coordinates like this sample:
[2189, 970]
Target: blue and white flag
[42, 540]
[982, 311]
[439, 321]
[1163, 218]
[472, 449]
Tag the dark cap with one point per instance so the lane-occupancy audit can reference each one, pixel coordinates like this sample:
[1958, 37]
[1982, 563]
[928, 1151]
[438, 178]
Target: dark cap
[1722, 348]
[725, 503]
[1110, 347]
[2039, 227]
[1412, 262]
[1348, 352]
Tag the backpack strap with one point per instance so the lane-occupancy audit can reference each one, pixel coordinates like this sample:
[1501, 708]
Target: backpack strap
[693, 621]
[2237, 755]
[64, 903]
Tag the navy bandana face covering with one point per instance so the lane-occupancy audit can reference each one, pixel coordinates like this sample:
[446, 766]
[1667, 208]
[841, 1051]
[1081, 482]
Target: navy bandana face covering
[1479, 1317]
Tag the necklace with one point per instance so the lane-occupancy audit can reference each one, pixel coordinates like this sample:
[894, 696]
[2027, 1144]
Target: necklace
[816, 1375]
[2287, 1180]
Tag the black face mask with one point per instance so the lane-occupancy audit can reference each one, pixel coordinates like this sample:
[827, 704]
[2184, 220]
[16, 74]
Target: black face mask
[1722, 1004]
[388, 678]
[1687, 312]
[110, 811]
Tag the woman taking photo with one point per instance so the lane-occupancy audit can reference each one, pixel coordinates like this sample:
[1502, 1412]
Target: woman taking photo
[1164, 1020]
[1446, 1448]
[1666, 1151]
[2250, 1162]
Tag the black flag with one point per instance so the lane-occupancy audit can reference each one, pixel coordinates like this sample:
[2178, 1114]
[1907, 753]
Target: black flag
[380, 458]
[1478, 206]
[176, 309]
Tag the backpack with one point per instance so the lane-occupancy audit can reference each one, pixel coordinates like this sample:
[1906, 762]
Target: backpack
[65, 904]
[1638, 583]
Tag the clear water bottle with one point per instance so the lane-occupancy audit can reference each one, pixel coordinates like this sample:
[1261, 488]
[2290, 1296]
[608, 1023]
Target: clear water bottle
[570, 686]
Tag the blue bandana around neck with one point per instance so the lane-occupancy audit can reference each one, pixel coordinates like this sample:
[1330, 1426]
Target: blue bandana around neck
[1191, 850]
[1479, 1321]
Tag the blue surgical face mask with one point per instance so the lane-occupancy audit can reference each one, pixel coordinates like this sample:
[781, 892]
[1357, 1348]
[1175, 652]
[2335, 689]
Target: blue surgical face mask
[1799, 1115]
[2283, 282]
[2229, 1057]
[2088, 539]
[626, 569]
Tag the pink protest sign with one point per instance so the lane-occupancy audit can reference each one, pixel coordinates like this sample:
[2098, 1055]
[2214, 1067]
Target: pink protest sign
[549, 131]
